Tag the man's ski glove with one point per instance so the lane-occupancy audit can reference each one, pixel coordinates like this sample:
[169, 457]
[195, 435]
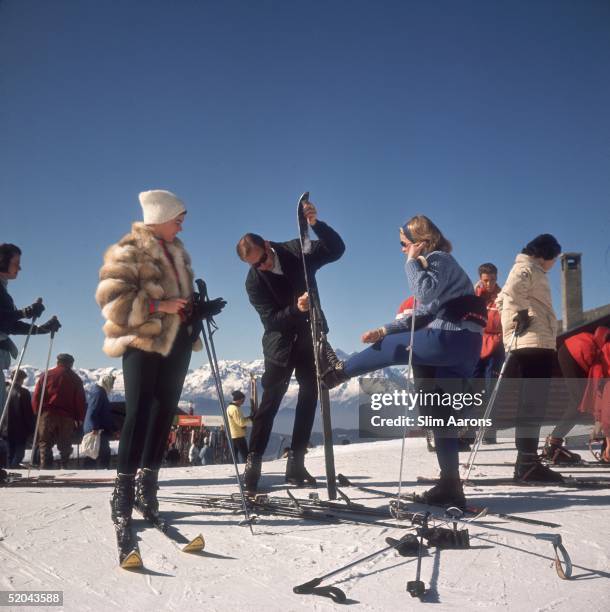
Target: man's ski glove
[522, 322]
[52, 325]
[34, 310]
[205, 310]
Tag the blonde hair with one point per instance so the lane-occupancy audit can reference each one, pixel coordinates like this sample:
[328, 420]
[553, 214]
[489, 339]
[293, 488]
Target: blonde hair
[421, 229]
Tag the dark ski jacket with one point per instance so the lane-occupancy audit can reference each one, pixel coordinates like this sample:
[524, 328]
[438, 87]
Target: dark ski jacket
[275, 296]
[10, 316]
[20, 420]
[99, 412]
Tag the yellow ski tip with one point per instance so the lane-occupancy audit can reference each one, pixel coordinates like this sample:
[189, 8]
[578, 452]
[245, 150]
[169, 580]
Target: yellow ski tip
[195, 545]
[132, 561]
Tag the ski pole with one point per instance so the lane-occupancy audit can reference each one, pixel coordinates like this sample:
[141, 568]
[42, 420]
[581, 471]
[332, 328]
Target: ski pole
[416, 588]
[409, 375]
[42, 394]
[19, 361]
[404, 547]
[490, 404]
[207, 333]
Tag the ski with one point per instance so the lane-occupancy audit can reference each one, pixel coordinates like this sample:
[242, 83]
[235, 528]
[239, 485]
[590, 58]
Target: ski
[303, 509]
[568, 483]
[581, 465]
[127, 546]
[197, 544]
[473, 510]
[318, 337]
[54, 481]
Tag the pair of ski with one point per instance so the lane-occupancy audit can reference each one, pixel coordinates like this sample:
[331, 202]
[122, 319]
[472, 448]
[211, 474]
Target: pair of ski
[129, 551]
[582, 464]
[44, 480]
[569, 482]
[308, 509]
[470, 510]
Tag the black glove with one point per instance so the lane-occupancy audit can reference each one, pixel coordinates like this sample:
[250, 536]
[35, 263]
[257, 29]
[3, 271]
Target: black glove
[35, 310]
[522, 322]
[204, 310]
[52, 325]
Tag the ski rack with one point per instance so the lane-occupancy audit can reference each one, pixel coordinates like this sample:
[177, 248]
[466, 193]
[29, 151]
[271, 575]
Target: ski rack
[561, 554]
[407, 546]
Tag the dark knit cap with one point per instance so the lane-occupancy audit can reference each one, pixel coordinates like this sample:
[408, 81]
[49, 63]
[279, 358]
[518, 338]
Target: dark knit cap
[65, 358]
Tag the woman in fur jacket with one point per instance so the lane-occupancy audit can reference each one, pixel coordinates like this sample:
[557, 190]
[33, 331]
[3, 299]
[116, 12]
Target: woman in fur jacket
[152, 322]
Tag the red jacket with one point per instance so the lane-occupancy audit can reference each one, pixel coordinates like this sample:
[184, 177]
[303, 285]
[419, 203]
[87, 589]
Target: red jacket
[492, 334]
[406, 308]
[592, 353]
[64, 395]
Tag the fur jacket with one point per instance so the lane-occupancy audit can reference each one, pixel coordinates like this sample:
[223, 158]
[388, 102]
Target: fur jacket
[136, 271]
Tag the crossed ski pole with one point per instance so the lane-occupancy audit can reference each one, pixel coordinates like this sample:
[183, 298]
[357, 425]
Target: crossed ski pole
[18, 366]
[207, 332]
[40, 405]
[404, 546]
[490, 404]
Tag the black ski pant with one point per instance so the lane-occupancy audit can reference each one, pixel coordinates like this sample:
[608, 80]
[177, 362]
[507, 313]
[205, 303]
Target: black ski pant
[535, 367]
[275, 383]
[240, 447]
[153, 385]
[576, 382]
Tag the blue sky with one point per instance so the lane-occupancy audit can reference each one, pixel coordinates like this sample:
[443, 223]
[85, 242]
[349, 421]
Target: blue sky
[490, 117]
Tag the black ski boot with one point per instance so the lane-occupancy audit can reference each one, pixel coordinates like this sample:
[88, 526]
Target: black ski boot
[331, 367]
[146, 494]
[448, 492]
[121, 506]
[529, 468]
[555, 452]
[296, 473]
[252, 472]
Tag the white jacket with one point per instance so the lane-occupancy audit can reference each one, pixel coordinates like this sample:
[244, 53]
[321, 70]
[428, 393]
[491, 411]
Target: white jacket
[527, 288]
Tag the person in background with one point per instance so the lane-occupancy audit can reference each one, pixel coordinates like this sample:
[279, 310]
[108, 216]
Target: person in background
[99, 418]
[584, 359]
[11, 318]
[63, 410]
[492, 352]
[207, 452]
[526, 309]
[237, 425]
[19, 423]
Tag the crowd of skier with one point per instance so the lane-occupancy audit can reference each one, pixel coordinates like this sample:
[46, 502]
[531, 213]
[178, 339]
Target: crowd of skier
[448, 330]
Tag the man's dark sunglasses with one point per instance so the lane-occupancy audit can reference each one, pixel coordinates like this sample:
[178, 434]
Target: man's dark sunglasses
[263, 258]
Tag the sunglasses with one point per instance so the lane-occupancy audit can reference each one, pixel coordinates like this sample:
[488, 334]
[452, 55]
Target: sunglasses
[404, 245]
[263, 258]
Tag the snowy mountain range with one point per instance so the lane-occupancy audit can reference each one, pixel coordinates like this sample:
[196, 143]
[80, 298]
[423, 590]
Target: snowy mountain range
[200, 391]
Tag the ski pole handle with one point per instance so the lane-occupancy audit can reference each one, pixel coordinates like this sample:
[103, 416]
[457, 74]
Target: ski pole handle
[203, 289]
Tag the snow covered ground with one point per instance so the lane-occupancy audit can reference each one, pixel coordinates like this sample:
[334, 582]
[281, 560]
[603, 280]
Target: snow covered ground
[62, 539]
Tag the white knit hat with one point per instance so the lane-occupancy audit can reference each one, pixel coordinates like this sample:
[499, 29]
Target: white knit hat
[160, 206]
